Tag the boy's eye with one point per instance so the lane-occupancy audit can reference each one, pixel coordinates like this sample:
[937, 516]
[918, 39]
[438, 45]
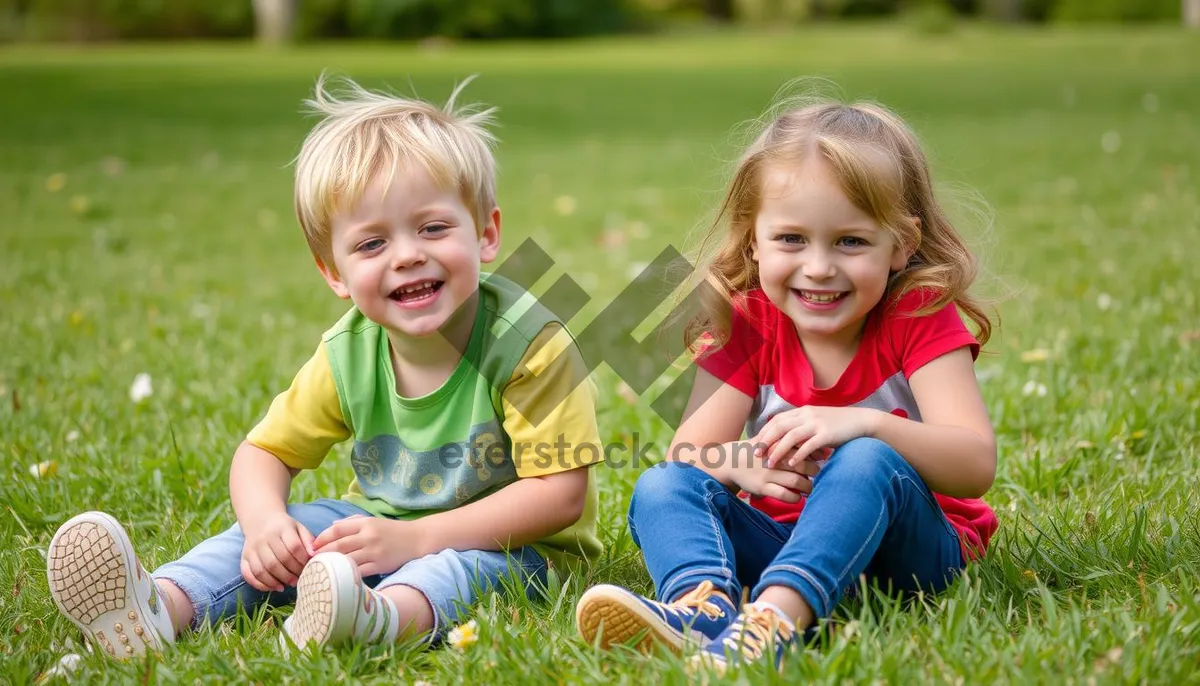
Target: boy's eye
[370, 245]
[435, 228]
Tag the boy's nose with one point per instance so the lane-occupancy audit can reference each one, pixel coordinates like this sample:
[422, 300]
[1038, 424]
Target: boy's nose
[406, 254]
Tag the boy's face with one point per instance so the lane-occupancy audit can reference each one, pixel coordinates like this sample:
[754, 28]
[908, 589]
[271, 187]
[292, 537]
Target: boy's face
[408, 255]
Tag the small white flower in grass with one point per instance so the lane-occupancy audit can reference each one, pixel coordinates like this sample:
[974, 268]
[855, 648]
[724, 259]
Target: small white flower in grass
[565, 205]
[1035, 355]
[1104, 301]
[72, 436]
[626, 393]
[462, 636]
[43, 470]
[635, 269]
[56, 182]
[67, 664]
[612, 239]
[1110, 142]
[112, 166]
[200, 310]
[141, 388]
[850, 631]
[1034, 388]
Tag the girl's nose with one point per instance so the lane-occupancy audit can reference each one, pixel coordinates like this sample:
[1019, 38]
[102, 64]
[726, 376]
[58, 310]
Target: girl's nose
[818, 264]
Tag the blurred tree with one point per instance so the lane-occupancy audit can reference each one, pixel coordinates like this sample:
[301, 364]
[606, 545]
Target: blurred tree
[1191, 13]
[274, 20]
[721, 10]
[773, 12]
[1005, 10]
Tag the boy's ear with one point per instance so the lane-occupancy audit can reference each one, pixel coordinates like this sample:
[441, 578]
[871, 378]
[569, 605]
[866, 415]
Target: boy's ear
[900, 256]
[489, 237]
[335, 282]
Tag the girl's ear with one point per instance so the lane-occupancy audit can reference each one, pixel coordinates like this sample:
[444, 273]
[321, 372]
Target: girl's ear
[900, 256]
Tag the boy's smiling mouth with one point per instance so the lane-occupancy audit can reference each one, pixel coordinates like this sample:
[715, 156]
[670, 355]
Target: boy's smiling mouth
[417, 293]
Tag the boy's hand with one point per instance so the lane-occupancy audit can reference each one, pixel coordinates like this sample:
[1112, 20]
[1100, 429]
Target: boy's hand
[377, 545]
[275, 552]
[788, 484]
[791, 437]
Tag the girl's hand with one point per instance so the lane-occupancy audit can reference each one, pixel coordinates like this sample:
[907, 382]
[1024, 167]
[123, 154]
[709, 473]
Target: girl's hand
[786, 484]
[376, 544]
[275, 552]
[791, 437]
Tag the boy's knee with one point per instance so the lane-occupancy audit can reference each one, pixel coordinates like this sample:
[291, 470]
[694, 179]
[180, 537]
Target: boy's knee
[666, 482]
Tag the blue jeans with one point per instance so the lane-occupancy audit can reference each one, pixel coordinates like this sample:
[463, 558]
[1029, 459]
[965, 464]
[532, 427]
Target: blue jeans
[210, 574]
[869, 512]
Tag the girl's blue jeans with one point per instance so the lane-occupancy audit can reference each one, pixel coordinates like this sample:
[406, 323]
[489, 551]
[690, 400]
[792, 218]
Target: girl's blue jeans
[868, 513]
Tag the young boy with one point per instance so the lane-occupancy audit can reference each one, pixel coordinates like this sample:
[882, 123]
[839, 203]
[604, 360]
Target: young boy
[443, 377]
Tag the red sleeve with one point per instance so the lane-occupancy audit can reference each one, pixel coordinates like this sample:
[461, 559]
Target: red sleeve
[921, 339]
[738, 362]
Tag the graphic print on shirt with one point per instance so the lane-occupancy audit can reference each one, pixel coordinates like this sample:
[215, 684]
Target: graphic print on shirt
[444, 477]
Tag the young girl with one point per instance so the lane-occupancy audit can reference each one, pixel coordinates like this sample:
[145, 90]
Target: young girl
[836, 343]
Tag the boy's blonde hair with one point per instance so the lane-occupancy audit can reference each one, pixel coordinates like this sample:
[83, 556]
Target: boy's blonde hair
[877, 160]
[365, 133]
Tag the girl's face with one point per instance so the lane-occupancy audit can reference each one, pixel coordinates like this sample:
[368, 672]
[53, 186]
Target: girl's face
[821, 260]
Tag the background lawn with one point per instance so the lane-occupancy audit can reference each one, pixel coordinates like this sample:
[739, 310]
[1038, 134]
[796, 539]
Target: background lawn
[146, 227]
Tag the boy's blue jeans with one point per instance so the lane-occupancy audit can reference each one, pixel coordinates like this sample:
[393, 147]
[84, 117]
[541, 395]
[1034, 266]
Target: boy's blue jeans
[869, 512]
[210, 574]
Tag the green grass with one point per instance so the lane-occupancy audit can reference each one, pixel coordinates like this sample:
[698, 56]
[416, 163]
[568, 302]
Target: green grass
[171, 250]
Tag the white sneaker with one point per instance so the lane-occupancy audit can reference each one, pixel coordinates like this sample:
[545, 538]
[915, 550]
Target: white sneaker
[333, 606]
[98, 583]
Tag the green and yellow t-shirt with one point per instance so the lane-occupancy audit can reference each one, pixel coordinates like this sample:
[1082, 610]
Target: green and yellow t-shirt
[519, 404]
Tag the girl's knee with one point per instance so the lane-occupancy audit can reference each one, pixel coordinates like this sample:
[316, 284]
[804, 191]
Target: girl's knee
[864, 458]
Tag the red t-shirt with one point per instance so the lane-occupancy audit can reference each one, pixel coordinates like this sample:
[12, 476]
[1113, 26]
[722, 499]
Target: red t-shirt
[763, 359]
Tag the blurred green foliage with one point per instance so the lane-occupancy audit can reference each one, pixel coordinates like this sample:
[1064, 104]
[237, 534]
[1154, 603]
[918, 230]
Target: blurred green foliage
[94, 20]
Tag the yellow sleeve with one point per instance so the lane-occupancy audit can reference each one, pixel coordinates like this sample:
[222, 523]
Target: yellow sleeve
[304, 421]
[550, 408]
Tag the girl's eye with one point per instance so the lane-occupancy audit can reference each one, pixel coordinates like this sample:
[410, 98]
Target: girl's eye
[370, 245]
[792, 239]
[852, 242]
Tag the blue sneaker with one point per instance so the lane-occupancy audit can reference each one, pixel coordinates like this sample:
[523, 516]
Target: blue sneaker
[616, 615]
[758, 632]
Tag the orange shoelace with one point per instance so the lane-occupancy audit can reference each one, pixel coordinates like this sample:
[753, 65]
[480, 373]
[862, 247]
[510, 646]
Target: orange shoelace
[699, 599]
[754, 630]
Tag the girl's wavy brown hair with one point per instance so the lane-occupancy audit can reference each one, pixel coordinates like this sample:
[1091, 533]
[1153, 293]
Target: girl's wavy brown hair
[879, 163]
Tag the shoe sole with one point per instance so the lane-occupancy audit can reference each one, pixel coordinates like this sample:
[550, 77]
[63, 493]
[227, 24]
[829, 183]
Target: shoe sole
[615, 617]
[320, 600]
[90, 566]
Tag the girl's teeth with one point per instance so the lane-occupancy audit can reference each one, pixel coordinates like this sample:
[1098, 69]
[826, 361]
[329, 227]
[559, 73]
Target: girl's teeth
[821, 298]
